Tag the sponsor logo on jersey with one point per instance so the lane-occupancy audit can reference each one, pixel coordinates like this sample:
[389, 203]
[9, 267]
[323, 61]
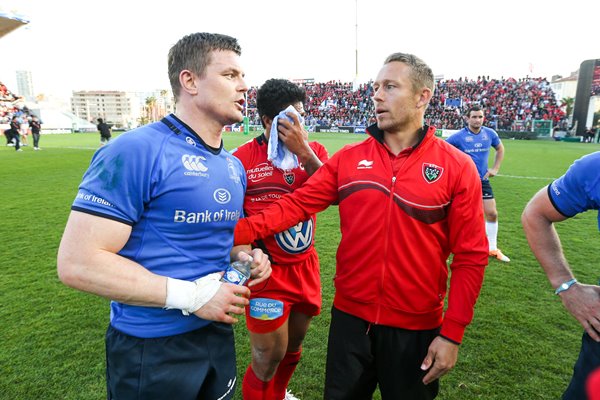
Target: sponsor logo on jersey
[296, 239]
[206, 216]
[432, 172]
[478, 144]
[94, 199]
[222, 196]
[234, 173]
[266, 309]
[260, 172]
[364, 164]
[194, 165]
[190, 141]
[289, 177]
[468, 139]
[555, 188]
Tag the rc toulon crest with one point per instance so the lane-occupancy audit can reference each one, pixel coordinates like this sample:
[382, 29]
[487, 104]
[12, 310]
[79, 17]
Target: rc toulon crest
[289, 177]
[432, 172]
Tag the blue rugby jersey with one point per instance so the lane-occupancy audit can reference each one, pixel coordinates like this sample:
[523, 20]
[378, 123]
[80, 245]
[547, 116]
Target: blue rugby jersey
[182, 200]
[477, 146]
[578, 190]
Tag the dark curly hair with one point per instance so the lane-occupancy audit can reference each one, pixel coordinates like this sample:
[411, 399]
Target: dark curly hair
[276, 95]
[193, 52]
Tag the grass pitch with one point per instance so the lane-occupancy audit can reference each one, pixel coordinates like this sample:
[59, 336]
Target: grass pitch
[522, 344]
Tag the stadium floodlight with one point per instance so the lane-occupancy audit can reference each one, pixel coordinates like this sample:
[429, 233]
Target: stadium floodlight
[10, 21]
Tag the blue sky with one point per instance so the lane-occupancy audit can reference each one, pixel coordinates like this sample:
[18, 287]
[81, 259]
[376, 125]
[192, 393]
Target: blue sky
[123, 45]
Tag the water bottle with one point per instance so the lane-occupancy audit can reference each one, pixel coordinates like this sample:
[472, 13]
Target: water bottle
[238, 272]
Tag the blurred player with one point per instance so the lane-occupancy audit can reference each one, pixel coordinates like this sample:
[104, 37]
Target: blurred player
[476, 140]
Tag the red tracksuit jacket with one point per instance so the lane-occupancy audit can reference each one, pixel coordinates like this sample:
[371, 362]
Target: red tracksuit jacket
[400, 218]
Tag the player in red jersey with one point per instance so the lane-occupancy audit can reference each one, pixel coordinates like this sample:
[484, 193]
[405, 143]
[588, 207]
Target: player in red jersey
[280, 311]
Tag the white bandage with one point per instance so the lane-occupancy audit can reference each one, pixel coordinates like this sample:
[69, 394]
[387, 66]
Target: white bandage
[191, 296]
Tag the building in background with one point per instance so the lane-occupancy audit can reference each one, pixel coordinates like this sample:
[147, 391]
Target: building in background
[122, 110]
[118, 109]
[564, 87]
[25, 85]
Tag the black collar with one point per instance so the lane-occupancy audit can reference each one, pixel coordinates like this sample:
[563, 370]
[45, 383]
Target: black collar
[177, 131]
[377, 134]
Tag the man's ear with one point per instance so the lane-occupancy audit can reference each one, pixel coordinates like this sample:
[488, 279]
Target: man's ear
[187, 81]
[266, 122]
[424, 97]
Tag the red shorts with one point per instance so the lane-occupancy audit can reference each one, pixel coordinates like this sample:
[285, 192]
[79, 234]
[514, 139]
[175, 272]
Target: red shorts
[291, 287]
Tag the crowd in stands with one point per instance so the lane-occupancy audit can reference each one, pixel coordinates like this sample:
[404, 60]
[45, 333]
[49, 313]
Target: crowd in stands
[509, 104]
[333, 103]
[11, 106]
[505, 102]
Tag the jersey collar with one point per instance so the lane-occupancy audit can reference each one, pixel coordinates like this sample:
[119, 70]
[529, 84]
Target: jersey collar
[177, 130]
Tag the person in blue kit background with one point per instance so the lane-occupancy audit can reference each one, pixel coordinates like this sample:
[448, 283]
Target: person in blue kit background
[151, 228]
[577, 191]
[476, 141]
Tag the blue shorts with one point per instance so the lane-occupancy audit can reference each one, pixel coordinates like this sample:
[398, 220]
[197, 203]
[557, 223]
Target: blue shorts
[194, 365]
[588, 361]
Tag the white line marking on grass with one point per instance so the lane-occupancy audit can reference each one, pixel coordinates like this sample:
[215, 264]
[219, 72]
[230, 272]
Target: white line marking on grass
[526, 177]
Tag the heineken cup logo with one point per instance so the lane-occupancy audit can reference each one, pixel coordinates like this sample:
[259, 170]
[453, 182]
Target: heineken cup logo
[432, 172]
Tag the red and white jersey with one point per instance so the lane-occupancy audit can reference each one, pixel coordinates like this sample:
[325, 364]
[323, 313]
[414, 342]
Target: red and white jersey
[267, 184]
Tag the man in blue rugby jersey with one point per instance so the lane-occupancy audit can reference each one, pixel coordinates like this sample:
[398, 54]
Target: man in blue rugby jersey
[151, 229]
[577, 191]
[476, 141]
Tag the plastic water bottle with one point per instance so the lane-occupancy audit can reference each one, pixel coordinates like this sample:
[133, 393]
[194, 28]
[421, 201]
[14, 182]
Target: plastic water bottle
[238, 272]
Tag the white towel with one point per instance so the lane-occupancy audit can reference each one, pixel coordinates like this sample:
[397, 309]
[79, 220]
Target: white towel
[278, 153]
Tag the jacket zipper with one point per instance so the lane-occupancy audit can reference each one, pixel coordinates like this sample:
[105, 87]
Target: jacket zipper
[386, 246]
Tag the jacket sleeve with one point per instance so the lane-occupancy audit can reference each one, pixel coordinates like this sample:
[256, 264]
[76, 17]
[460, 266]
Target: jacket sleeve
[468, 243]
[315, 195]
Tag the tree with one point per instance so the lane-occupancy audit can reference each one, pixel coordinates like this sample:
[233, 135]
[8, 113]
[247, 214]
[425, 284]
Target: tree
[150, 109]
[568, 103]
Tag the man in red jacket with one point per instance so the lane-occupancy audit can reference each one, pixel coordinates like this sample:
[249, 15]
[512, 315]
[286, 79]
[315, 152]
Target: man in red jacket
[407, 199]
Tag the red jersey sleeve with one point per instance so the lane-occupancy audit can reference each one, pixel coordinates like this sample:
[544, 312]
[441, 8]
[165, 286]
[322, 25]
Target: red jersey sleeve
[315, 195]
[468, 243]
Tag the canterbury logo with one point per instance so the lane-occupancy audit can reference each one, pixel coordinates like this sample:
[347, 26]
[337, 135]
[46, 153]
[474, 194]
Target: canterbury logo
[194, 163]
[364, 164]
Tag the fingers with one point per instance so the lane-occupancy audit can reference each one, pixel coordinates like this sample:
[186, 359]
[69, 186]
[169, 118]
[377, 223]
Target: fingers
[239, 294]
[261, 267]
[294, 117]
[593, 329]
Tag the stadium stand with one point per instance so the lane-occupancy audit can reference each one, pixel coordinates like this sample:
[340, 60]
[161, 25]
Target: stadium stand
[505, 101]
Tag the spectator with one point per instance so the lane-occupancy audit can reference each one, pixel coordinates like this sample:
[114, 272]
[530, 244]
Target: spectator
[105, 132]
[36, 128]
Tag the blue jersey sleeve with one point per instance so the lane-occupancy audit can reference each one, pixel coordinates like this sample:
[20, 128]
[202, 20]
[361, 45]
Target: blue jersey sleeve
[495, 138]
[454, 140]
[117, 184]
[578, 190]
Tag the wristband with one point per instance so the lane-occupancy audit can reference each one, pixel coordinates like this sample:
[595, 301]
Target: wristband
[565, 286]
[191, 296]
